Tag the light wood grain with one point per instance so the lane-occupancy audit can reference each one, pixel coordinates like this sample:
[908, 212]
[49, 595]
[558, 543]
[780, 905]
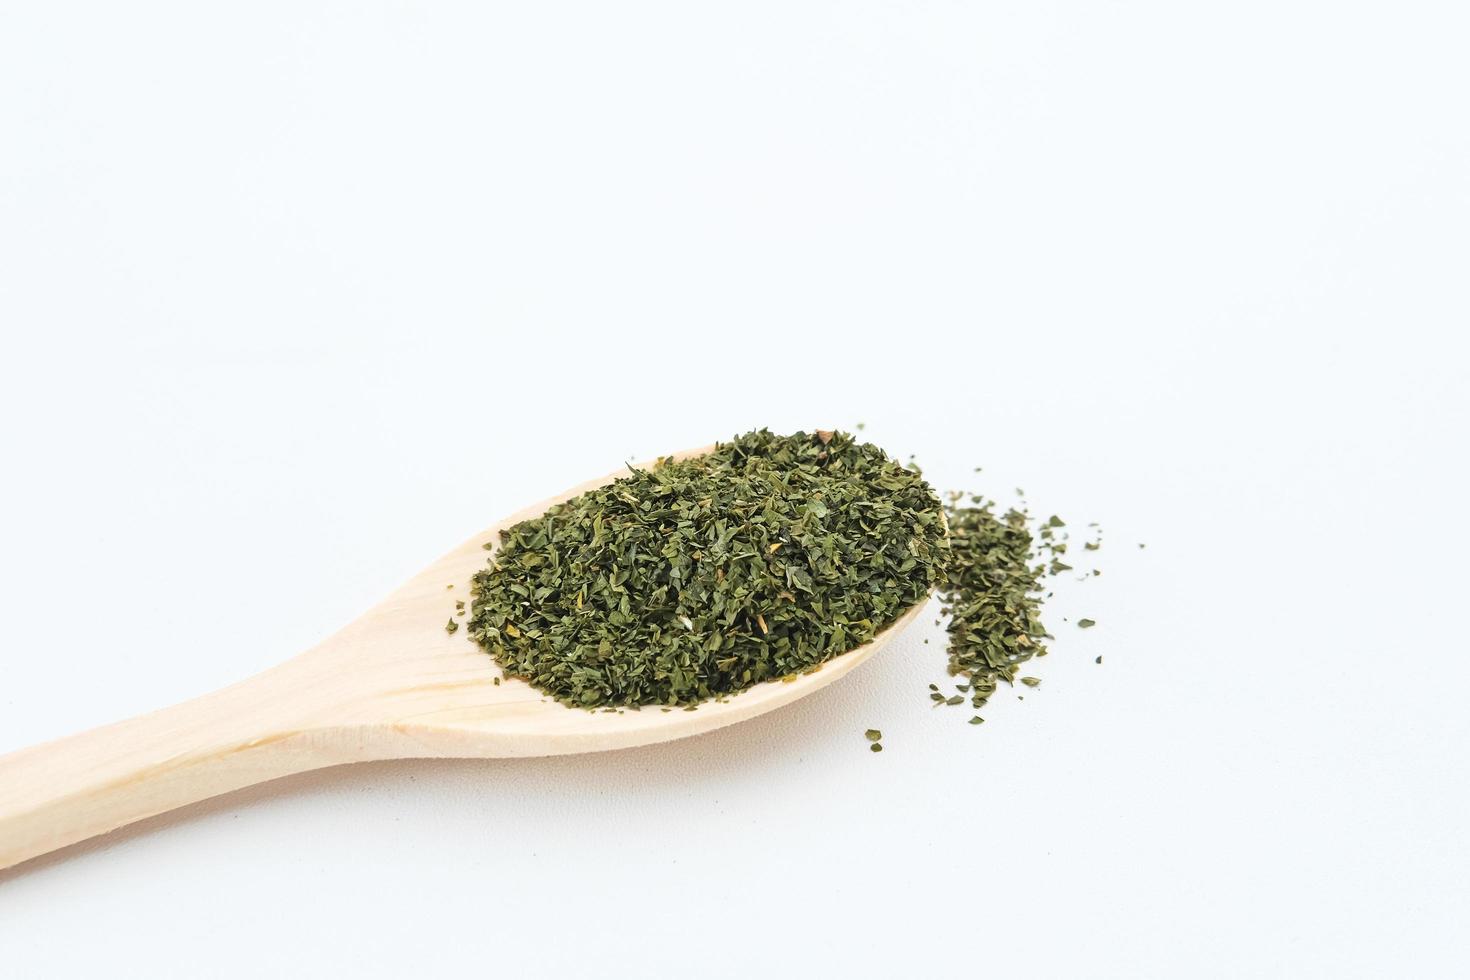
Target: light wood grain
[391, 685]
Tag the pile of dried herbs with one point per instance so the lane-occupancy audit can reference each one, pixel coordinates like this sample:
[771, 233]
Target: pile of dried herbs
[699, 578]
[992, 589]
[991, 593]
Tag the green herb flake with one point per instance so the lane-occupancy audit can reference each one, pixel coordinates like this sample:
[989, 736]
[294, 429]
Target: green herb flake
[1086, 623]
[876, 747]
[872, 734]
[1031, 681]
[664, 587]
[991, 588]
[452, 626]
[977, 720]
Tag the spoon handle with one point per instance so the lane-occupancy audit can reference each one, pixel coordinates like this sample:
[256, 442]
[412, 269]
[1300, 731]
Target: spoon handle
[66, 791]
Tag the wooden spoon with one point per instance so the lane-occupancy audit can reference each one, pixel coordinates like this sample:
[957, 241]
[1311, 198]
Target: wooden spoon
[391, 685]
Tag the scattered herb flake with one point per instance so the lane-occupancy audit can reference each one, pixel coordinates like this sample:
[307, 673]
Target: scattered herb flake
[990, 588]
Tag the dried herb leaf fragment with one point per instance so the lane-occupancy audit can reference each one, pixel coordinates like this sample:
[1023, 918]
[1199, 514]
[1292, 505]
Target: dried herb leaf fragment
[991, 589]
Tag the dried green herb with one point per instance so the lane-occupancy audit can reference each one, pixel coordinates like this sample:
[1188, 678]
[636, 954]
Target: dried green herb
[876, 746]
[697, 578]
[991, 592]
[1086, 623]
[872, 734]
[451, 627]
[1031, 681]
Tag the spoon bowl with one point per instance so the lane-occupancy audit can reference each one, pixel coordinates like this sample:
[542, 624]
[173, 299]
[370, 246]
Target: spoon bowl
[393, 684]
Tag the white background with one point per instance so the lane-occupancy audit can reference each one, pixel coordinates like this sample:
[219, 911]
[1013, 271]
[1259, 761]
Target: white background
[297, 296]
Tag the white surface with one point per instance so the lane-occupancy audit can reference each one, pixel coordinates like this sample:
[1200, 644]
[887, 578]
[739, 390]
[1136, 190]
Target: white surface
[295, 296]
